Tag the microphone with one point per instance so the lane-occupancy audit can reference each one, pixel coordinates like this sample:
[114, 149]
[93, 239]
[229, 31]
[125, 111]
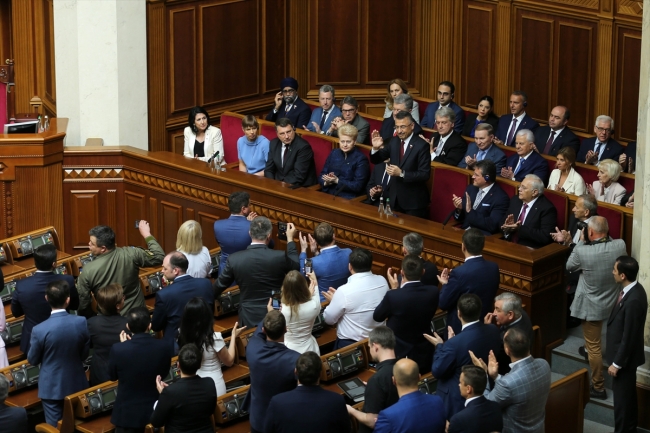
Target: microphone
[444, 223]
[338, 190]
[216, 155]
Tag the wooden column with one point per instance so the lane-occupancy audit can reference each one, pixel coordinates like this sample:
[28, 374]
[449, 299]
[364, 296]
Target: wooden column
[504, 65]
[603, 97]
[157, 74]
[22, 17]
[299, 44]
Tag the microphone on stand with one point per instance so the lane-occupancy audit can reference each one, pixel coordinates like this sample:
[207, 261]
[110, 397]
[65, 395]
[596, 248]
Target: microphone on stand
[216, 155]
[444, 223]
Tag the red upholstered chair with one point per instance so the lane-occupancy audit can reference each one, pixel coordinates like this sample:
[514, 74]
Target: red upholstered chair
[509, 186]
[447, 181]
[508, 150]
[374, 121]
[321, 145]
[312, 104]
[268, 129]
[588, 172]
[552, 162]
[7, 91]
[423, 103]
[627, 180]
[614, 216]
[365, 149]
[561, 203]
[231, 131]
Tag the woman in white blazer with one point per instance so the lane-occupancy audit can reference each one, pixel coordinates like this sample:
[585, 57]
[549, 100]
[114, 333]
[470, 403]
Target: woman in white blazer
[564, 178]
[606, 188]
[202, 140]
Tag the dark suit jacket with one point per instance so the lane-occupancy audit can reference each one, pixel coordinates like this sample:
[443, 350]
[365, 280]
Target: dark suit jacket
[494, 154]
[376, 178]
[566, 139]
[232, 236]
[612, 149]
[258, 270]
[526, 326]
[540, 222]
[186, 406]
[299, 168]
[430, 277]
[299, 113]
[60, 344]
[362, 126]
[453, 151]
[477, 276]
[136, 363]
[625, 329]
[534, 164]
[272, 372]
[406, 416]
[411, 191]
[470, 123]
[479, 416]
[317, 114]
[170, 303]
[489, 215]
[388, 128]
[293, 412]
[13, 419]
[504, 126]
[104, 332]
[409, 310]
[453, 354]
[29, 299]
[429, 119]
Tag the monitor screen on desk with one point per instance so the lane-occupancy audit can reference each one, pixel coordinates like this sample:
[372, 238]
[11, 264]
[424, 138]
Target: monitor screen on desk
[29, 127]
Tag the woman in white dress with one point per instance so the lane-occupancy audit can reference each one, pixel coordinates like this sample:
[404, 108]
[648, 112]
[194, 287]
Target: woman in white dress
[300, 307]
[564, 178]
[196, 327]
[189, 242]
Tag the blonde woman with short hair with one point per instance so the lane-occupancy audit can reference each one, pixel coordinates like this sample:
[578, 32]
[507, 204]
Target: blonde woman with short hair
[189, 242]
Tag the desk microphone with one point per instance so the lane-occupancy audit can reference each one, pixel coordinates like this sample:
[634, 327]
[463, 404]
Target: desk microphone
[216, 155]
[338, 190]
[444, 223]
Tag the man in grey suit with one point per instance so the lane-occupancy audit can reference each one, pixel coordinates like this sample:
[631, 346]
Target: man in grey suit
[523, 392]
[596, 292]
[258, 270]
[350, 114]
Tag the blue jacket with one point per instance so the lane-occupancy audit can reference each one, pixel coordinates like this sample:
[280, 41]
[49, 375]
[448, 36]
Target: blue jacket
[413, 413]
[612, 150]
[429, 120]
[316, 115]
[232, 236]
[535, 164]
[330, 267]
[353, 172]
[491, 212]
[494, 154]
[488, 412]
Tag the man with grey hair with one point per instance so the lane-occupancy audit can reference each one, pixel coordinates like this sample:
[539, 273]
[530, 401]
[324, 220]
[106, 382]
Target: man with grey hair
[508, 313]
[258, 270]
[602, 146]
[594, 256]
[526, 160]
[402, 102]
[412, 243]
[446, 146]
[350, 114]
[12, 419]
[531, 216]
[321, 117]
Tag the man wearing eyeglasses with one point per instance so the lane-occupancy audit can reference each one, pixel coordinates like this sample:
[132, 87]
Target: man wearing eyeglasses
[447, 146]
[350, 114]
[602, 146]
[409, 166]
[446, 91]
[289, 105]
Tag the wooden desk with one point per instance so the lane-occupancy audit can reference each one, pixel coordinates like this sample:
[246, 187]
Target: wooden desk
[166, 189]
[332, 386]
[27, 398]
[224, 324]
[243, 425]
[100, 424]
[234, 373]
[14, 354]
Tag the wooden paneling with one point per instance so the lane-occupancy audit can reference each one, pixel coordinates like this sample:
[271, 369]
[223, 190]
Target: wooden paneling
[478, 53]
[183, 60]
[206, 220]
[387, 22]
[171, 220]
[274, 44]
[628, 68]
[134, 210]
[157, 55]
[6, 51]
[47, 77]
[84, 211]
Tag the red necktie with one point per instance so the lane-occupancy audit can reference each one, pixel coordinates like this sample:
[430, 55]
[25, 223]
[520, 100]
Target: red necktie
[620, 297]
[401, 151]
[522, 215]
[549, 143]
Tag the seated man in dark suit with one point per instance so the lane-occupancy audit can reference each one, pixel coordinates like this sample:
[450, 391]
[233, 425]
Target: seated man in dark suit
[293, 411]
[476, 275]
[413, 243]
[186, 405]
[509, 125]
[29, 297]
[536, 216]
[446, 91]
[526, 161]
[12, 419]
[135, 363]
[484, 204]
[447, 146]
[402, 102]
[414, 412]
[170, 301]
[628, 159]
[409, 310]
[450, 356]
[272, 367]
[258, 270]
[321, 117]
[556, 135]
[291, 158]
[289, 105]
[409, 168]
[480, 415]
[483, 149]
[602, 146]
[350, 114]
[378, 184]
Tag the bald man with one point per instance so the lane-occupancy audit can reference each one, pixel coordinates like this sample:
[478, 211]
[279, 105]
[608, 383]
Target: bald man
[406, 415]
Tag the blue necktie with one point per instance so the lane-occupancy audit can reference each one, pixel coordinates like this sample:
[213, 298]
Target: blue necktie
[521, 163]
[481, 155]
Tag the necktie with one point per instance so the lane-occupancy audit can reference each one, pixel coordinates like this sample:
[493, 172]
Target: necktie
[522, 215]
[287, 108]
[620, 297]
[513, 128]
[401, 151]
[322, 119]
[549, 143]
[521, 163]
[597, 148]
[384, 183]
[478, 199]
[481, 155]
[284, 157]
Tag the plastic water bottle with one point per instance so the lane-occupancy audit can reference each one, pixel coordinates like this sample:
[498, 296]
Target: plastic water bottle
[47, 124]
[388, 211]
[381, 205]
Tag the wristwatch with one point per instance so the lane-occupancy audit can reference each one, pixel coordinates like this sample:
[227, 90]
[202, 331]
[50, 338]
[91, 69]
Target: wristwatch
[402, 174]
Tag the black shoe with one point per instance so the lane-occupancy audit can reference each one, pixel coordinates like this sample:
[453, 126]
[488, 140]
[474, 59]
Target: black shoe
[583, 352]
[600, 395]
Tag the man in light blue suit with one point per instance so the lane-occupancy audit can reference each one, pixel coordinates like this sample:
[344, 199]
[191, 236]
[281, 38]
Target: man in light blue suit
[321, 117]
[60, 344]
[483, 149]
[414, 412]
[330, 263]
